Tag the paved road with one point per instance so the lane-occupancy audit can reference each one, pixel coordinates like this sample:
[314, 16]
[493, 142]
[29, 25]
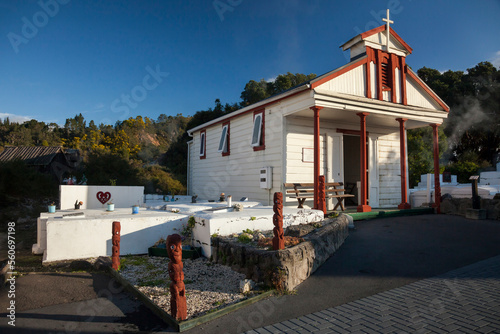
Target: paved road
[466, 300]
[380, 255]
[75, 302]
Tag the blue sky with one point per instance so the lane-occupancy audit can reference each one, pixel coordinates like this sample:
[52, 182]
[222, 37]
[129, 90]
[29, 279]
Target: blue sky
[111, 60]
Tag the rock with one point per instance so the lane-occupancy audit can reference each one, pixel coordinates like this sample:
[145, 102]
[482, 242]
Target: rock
[292, 265]
[246, 285]
[5, 274]
[260, 236]
[80, 265]
[246, 235]
[102, 263]
[299, 230]
[350, 221]
[446, 196]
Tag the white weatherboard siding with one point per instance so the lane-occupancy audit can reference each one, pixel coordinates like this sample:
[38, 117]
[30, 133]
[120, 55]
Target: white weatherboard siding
[397, 85]
[301, 135]
[416, 96]
[238, 173]
[389, 170]
[373, 79]
[352, 82]
[386, 185]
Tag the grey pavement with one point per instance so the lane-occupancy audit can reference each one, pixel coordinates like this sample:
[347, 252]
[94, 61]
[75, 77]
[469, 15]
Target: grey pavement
[404, 256]
[466, 300]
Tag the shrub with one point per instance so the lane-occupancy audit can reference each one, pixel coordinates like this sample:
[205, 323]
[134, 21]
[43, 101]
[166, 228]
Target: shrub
[157, 177]
[463, 170]
[21, 181]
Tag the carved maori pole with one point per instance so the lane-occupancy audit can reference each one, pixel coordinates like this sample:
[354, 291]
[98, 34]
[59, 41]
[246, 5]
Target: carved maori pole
[178, 306]
[115, 239]
[321, 194]
[279, 239]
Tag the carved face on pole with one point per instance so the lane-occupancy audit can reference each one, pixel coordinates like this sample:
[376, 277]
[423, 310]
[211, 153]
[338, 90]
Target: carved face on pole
[174, 248]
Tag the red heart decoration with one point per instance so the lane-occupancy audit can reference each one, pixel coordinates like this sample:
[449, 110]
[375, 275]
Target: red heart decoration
[103, 197]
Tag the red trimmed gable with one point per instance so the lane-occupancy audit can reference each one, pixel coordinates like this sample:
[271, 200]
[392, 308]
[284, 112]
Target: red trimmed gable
[374, 31]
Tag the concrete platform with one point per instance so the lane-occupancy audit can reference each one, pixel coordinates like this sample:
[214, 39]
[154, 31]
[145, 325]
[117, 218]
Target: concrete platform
[77, 237]
[64, 236]
[254, 218]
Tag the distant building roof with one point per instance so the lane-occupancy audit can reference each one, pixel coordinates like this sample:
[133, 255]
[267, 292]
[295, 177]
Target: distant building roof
[32, 155]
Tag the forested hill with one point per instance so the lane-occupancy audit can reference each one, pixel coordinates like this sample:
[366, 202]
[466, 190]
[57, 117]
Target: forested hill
[154, 151]
[151, 152]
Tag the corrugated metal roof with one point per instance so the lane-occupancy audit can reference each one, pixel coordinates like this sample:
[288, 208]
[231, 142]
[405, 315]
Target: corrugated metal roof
[32, 155]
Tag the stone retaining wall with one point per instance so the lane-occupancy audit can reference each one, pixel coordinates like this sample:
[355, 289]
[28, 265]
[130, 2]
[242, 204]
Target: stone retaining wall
[459, 206]
[288, 267]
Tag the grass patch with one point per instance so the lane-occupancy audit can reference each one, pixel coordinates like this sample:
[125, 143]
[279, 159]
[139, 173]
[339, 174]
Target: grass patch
[219, 303]
[135, 261]
[154, 282]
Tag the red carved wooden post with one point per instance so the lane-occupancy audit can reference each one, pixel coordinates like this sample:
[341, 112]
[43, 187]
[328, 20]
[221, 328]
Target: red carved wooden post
[322, 194]
[178, 306]
[279, 237]
[115, 239]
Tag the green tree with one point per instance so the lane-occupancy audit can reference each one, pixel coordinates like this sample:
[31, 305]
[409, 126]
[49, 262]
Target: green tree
[289, 80]
[473, 124]
[420, 152]
[102, 167]
[157, 178]
[257, 91]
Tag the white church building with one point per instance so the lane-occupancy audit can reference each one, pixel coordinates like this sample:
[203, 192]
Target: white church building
[348, 125]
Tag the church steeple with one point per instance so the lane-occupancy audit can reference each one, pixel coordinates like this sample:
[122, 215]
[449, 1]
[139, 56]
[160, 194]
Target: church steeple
[381, 38]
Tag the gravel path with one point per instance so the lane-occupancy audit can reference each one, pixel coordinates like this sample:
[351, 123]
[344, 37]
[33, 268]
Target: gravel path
[208, 286]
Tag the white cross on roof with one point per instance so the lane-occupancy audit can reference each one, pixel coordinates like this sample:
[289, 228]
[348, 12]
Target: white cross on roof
[387, 29]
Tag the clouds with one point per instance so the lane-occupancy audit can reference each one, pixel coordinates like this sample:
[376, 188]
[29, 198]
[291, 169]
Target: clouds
[496, 59]
[15, 118]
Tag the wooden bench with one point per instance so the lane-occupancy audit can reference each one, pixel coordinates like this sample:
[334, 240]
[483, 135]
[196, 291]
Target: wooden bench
[303, 191]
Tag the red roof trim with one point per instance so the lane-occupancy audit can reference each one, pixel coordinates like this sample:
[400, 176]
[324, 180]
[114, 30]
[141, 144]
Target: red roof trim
[335, 74]
[427, 89]
[393, 33]
[372, 32]
[263, 106]
[400, 40]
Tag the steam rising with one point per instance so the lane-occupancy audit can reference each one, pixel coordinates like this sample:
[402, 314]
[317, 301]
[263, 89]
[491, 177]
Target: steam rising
[465, 116]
